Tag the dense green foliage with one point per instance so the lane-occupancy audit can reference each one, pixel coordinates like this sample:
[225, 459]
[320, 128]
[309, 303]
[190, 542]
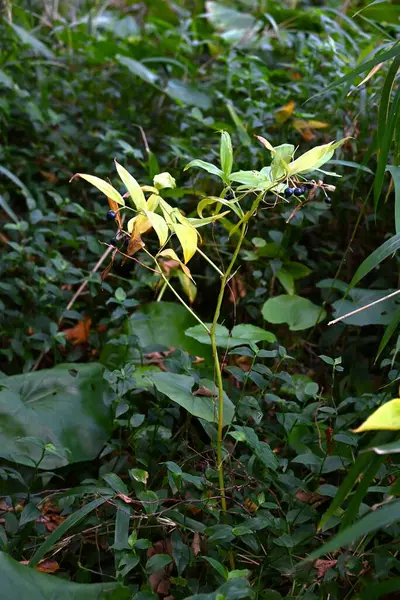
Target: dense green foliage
[110, 436]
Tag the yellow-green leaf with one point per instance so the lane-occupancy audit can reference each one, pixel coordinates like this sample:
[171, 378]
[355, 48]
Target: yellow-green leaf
[187, 235]
[153, 201]
[386, 417]
[164, 180]
[315, 158]
[103, 186]
[159, 226]
[132, 186]
[167, 211]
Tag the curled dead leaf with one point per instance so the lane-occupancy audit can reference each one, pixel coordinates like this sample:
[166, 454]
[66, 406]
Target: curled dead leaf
[80, 333]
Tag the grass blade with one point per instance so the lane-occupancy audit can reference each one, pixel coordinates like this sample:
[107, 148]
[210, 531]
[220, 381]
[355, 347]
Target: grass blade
[389, 331]
[384, 146]
[71, 521]
[374, 520]
[375, 258]
[395, 173]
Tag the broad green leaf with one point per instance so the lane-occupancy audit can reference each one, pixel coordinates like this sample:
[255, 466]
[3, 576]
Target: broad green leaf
[219, 567]
[65, 526]
[186, 93]
[165, 323]
[179, 388]
[134, 189]
[159, 226]
[28, 404]
[386, 417]
[373, 521]
[286, 280]
[313, 159]
[21, 581]
[299, 313]
[239, 336]
[395, 173]
[30, 40]
[103, 186]
[205, 166]
[158, 562]
[187, 235]
[137, 68]
[375, 258]
[226, 153]
[163, 181]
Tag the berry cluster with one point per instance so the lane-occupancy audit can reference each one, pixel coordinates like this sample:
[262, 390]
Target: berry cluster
[301, 190]
[296, 191]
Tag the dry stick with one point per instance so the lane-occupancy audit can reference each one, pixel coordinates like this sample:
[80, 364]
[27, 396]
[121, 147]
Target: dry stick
[76, 296]
[358, 310]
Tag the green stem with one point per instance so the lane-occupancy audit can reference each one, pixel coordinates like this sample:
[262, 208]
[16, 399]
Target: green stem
[161, 293]
[217, 366]
[181, 300]
[210, 262]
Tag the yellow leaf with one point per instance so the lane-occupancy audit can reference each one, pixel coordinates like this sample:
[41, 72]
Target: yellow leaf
[315, 158]
[139, 224]
[134, 189]
[103, 186]
[386, 417]
[159, 226]
[187, 235]
[309, 124]
[266, 144]
[284, 113]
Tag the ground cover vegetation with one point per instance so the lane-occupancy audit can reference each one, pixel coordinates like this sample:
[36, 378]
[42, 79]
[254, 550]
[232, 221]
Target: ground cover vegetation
[190, 193]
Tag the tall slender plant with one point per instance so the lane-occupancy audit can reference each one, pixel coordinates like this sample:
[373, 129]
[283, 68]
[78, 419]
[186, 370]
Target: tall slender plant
[283, 180]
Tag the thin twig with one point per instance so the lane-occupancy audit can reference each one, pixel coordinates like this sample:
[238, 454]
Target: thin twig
[358, 310]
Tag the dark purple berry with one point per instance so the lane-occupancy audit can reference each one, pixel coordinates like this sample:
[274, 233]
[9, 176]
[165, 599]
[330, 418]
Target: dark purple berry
[110, 216]
[229, 196]
[328, 200]
[289, 192]
[113, 242]
[298, 191]
[304, 188]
